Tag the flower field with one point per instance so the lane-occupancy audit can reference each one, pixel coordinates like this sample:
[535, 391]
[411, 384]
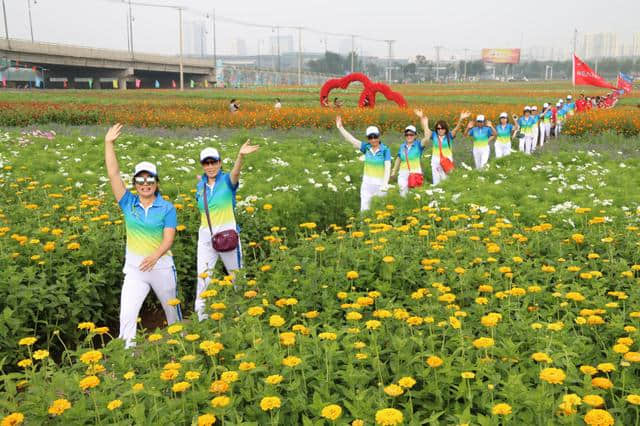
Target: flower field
[507, 296]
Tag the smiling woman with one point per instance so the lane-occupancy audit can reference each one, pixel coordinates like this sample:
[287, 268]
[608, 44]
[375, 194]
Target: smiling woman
[151, 223]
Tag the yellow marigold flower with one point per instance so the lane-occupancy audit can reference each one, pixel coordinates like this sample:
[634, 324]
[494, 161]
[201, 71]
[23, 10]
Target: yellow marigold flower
[291, 361]
[287, 338]
[352, 275]
[468, 375]
[91, 357]
[274, 379]
[27, 341]
[12, 419]
[388, 259]
[58, 407]
[270, 403]
[541, 357]
[276, 321]
[553, 375]
[597, 417]
[327, 336]
[246, 366]
[192, 375]
[389, 417]
[593, 400]
[173, 329]
[73, 246]
[220, 401]
[211, 348]
[606, 367]
[169, 374]
[331, 412]
[407, 382]
[633, 399]
[89, 382]
[353, 316]
[116, 403]
[206, 420]
[137, 387]
[601, 382]
[129, 375]
[154, 337]
[24, 363]
[501, 409]
[180, 387]
[434, 361]
[40, 354]
[393, 390]
[229, 376]
[219, 386]
[455, 323]
[483, 342]
[632, 356]
[87, 263]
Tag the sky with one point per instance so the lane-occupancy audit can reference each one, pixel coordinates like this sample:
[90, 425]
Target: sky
[416, 26]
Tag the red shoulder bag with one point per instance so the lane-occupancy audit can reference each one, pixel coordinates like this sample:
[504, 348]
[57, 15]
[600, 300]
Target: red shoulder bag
[415, 179]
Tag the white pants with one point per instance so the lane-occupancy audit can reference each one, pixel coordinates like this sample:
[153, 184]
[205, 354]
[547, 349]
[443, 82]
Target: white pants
[534, 138]
[502, 149]
[558, 129]
[547, 131]
[136, 288]
[437, 172]
[528, 144]
[481, 156]
[367, 192]
[521, 144]
[543, 134]
[403, 183]
[207, 259]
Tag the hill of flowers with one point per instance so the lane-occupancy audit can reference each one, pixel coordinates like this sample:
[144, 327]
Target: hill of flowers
[508, 296]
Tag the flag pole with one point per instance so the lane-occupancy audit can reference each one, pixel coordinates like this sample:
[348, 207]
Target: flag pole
[573, 60]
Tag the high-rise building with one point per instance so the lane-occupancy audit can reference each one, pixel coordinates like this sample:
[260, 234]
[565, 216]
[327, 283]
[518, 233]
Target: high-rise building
[195, 38]
[600, 45]
[286, 44]
[240, 47]
[635, 50]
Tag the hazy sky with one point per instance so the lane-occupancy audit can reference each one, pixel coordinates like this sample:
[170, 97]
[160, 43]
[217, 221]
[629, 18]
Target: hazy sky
[417, 26]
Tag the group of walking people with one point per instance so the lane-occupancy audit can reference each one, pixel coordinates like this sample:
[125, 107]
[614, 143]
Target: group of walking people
[531, 129]
[151, 222]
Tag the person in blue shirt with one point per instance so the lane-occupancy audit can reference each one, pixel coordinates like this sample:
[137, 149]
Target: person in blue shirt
[504, 133]
[545, 123]
[561, 115]
[526, 123]
[150, 223]
[571, 106]
[482, 134]
[377, 163]
[536, 127]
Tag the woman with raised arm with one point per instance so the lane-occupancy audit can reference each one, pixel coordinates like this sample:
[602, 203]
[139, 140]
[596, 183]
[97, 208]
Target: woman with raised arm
[377, 163]
[407, 162]
[218, 236]
[442, 143]
[150, 223]
[482, 133]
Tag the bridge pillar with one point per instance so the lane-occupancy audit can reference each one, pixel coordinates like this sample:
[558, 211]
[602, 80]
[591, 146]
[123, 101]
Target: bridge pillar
[123, 76]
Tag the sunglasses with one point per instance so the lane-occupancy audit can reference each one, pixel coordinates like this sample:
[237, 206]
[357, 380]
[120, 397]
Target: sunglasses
[409, 134]
[209, 162]
[141, 180]
[373, 136]
[440, 128]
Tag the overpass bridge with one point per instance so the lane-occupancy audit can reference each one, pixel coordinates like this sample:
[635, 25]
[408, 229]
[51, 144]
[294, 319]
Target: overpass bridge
[79, 64]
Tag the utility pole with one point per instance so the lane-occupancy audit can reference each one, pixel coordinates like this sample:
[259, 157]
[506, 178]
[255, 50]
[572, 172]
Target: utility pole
[573, 59]
[30, 21]
[352, 50]
[131, 27]
[299, 56]
[390, 44]
[128, 35]
[278, 47]
[6, 27]
[181, 65]
[465, 62]
[438, 62]
[215, 56]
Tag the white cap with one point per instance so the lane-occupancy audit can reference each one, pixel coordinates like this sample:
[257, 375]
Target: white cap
[146, 166]
[372, 130]
[527, 108]
[504, 115]
[480, 117]
[561, 100]
[410, 128]
[534, 108]
[545, 105]
[569, 97]
[558, 104]
[209, 153]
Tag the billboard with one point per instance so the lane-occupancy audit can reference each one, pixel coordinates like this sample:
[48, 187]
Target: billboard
[501, 56]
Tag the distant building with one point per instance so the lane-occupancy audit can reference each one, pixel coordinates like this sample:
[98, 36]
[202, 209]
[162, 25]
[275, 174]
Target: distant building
[635, 49]
[600, 45]
[195, 38]
[286, 44]
[240, 47]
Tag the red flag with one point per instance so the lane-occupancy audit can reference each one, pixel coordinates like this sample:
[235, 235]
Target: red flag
[624, 85]
[584, 75]
[138, 83]
[173, 84]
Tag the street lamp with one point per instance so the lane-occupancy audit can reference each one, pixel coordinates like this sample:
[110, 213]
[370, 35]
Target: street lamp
[30, 21]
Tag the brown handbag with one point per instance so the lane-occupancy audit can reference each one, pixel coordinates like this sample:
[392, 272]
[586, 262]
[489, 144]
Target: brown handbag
[222, 241]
